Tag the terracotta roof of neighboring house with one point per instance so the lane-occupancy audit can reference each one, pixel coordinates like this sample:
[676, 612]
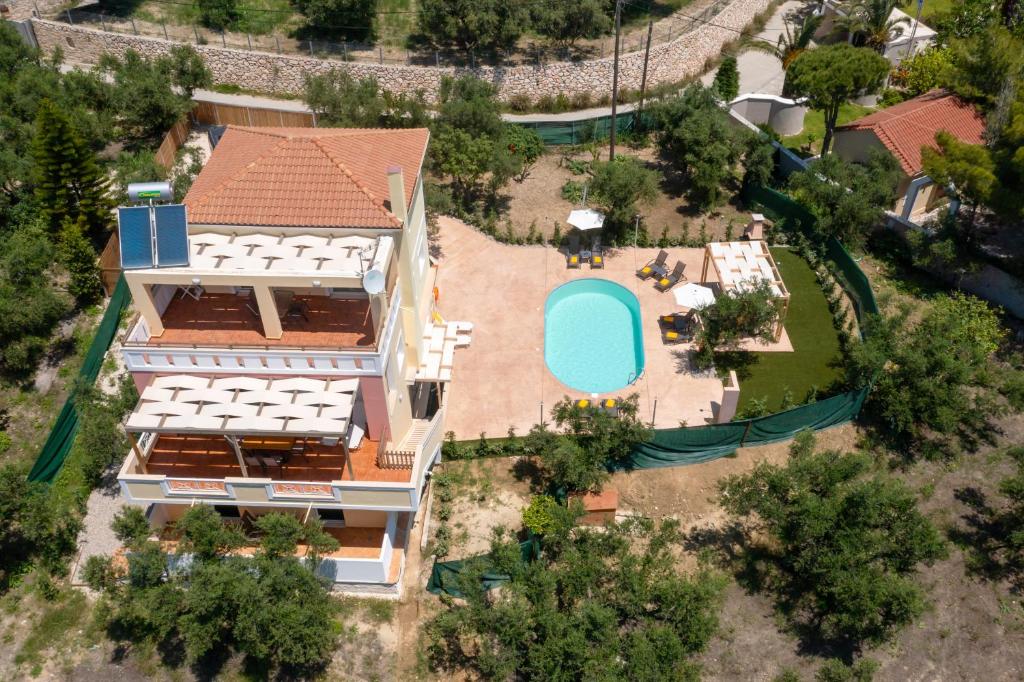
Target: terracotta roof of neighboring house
[305, 177]
[907, 126]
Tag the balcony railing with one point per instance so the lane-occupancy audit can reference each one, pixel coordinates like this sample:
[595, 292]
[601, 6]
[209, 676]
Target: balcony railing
[142, 356]
[368, 494]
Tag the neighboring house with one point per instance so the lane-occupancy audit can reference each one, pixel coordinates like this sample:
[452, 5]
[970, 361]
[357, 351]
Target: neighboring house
[896, 50]
[290, 361]
[902, 130]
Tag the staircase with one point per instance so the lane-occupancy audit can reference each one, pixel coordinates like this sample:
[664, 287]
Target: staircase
[402, 455]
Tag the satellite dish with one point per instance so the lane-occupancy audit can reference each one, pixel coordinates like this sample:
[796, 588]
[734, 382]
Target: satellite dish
[373, 281]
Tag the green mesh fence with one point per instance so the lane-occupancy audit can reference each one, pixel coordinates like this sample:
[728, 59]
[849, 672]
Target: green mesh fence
[62, 436]
[675, 447]
[578, 132]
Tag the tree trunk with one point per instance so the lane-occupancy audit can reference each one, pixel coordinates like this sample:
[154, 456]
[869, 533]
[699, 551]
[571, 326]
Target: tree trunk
[831, 115]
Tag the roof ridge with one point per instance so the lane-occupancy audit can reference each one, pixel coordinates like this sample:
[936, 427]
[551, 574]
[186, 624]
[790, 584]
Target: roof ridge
[282, 140]
[379, 203]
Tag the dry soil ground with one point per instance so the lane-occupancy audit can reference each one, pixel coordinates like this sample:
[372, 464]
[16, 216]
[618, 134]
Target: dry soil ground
[539, 199]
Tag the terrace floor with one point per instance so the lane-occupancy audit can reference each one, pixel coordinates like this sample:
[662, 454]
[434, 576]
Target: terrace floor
[212, 457]
[356, 543]
[501, 380]
[224, 320]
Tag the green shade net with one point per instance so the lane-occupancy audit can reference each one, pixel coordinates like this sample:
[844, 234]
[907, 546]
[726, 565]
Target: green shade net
[578, 132]
[449, 576]
[62, 437]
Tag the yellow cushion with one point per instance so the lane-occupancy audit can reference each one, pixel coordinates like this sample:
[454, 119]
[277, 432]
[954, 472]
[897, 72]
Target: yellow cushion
[671, 335]
[609, 403]
[663, 281]
[645, 269]
[574, 259]
[668, 318]
[583, 403]
[597, 259]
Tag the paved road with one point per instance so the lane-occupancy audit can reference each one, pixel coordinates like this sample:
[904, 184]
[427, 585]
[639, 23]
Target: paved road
[760, 72]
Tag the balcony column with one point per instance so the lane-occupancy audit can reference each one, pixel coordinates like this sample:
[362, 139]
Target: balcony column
[142, 297]
[233, 440]
[139, 457]
[268, 311]
[348, 458]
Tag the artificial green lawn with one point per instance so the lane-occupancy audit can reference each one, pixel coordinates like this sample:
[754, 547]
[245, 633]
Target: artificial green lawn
[814, 128]
[815, 360]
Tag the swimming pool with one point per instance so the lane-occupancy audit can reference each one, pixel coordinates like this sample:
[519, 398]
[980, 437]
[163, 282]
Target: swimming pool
[592, 336]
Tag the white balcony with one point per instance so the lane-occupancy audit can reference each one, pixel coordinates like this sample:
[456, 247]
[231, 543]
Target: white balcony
[192, 349]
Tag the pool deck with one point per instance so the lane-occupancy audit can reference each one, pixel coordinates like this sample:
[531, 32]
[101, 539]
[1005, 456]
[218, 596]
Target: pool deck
[501, 380]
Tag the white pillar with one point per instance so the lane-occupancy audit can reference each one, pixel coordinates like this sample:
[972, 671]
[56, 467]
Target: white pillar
[268, 312]
[730, 399]
[142, 296]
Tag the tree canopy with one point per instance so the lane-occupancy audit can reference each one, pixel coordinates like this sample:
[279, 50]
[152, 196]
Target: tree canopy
[472, 25]
[830, 75]
[272, 608]
[576, 457]
[618, 186]
[836, 540]
[339, 100]
[736, 315]
[847, 199]
[934, 386]
[696, 138]
[599, 604]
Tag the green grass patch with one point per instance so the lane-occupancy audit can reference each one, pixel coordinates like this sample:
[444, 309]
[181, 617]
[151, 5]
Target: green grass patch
[808, 141]
[53, 628]
[815, 360]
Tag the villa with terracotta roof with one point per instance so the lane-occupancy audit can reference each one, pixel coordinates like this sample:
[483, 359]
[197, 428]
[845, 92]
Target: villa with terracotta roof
[291, 359]
[902, 130]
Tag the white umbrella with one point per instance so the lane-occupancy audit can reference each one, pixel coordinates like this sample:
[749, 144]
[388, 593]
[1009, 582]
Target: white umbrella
[586, 219]
[692, 295]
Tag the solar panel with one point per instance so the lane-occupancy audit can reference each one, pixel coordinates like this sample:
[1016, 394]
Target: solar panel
[135, 237]
[171, 235]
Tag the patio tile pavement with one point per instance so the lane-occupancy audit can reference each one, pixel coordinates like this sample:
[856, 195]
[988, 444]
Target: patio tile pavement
[501, 379]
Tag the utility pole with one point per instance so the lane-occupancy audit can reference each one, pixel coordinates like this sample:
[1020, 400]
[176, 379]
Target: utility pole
[615, 78]
[913, 29]
[643, 78]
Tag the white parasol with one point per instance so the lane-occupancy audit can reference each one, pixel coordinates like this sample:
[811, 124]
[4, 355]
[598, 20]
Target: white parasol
[586, 219]
[693, 296]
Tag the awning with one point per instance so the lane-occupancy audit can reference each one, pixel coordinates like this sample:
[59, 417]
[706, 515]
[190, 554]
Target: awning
[297, 406]
[586, 219]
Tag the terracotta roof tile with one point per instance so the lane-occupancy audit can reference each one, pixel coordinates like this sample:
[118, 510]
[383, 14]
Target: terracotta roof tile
[305, 177]
[908, 126]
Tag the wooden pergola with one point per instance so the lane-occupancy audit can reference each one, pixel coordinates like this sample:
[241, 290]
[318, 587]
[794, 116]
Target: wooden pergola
[742, 265]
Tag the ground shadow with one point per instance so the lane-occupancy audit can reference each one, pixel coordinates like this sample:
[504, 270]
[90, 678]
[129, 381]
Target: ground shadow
[981, 536]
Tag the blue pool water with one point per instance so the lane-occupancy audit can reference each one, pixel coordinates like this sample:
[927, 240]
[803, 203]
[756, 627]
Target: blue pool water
[592, 336]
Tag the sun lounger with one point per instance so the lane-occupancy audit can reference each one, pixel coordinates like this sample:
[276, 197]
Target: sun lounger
[672, 278]
[655, 267]
[596, 255]
[573, 258]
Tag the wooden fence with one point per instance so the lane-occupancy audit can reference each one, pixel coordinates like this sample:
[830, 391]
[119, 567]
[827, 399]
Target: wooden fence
[173, 141]
[215, 113]
[110, 264]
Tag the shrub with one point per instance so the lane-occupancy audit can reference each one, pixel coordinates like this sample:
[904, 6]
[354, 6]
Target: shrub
[538, 517]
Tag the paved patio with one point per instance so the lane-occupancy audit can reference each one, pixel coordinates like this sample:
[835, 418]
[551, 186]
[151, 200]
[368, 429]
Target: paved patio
[501, 379]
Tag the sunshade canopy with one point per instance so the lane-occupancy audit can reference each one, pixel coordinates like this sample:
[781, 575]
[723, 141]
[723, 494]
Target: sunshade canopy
[692, 295]
[297, 406]
[586, 219]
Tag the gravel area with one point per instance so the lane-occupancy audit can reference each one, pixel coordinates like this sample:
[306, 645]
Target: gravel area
[96, 537]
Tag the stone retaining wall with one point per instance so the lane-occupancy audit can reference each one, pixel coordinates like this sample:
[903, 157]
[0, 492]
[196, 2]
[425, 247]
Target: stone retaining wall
[268, 72]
